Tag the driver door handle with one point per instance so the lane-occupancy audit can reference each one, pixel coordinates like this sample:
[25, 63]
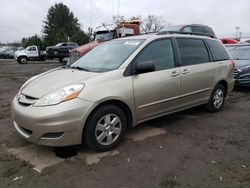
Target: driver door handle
[185, 71]
[174, 73]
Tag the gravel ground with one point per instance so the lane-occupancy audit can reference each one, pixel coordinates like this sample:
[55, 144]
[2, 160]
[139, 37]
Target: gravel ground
[199, 149]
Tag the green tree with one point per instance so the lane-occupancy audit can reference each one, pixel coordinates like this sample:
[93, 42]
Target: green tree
[80, 37]
[33, 40]
[60, 24]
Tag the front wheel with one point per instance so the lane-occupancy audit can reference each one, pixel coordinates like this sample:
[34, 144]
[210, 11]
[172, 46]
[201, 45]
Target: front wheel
[22, 60]
[217, 99]
[60, 59]
[105, 128]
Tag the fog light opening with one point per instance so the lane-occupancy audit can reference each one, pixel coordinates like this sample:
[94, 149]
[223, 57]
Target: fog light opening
[52, 135]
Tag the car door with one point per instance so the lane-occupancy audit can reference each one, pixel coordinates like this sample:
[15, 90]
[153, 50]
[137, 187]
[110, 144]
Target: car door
[32, 52]
[197, 71]
[64, 49]
[157, 92]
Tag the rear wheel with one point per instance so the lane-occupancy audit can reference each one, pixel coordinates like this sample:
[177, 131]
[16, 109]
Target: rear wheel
[217, 99]
[105, 128]
[23, 60]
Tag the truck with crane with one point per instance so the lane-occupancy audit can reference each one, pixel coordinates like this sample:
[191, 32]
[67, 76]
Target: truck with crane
[105, 33]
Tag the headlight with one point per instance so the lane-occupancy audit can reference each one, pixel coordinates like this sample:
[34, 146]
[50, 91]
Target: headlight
[64, 94]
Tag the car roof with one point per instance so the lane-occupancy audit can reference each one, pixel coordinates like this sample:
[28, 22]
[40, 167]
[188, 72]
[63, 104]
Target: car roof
[157, 35]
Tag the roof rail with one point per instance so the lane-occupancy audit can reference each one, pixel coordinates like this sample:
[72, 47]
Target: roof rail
[181, 32]
[146, 33]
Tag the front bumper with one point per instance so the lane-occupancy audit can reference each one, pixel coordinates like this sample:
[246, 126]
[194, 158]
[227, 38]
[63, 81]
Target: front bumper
[242, 78]
[242, 82]
[57, 125]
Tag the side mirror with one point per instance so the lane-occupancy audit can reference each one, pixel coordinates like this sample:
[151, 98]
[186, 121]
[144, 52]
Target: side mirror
[144, 67]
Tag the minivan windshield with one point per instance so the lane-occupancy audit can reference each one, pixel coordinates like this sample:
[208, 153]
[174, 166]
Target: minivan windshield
[108, 56]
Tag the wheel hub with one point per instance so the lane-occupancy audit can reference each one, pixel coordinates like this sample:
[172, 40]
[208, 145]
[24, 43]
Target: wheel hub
[218, 98]
[108, 129]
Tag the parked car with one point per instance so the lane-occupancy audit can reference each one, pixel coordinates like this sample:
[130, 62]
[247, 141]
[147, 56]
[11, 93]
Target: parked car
[61, 50]
[31, 53]
[196, 29]
[241, 55]
[119, 84]
[8, 54]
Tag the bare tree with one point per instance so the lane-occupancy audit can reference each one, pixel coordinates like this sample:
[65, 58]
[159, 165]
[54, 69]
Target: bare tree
[153, 23]
[118, 19]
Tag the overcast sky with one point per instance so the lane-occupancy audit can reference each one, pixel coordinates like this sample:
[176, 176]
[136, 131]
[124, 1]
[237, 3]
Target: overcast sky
[23, 18]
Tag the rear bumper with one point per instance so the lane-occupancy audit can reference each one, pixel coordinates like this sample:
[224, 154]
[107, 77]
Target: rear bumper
[231, 84]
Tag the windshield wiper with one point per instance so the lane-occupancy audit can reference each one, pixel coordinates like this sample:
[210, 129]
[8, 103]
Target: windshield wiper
[80, 68]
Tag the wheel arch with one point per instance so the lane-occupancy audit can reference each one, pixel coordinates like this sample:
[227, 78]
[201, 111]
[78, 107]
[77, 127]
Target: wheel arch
[225, 85]
[22, 56]
[122, 105]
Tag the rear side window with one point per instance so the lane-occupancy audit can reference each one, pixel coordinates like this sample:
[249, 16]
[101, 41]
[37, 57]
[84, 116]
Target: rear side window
[219, 53]
[160, 52]
[192, 51]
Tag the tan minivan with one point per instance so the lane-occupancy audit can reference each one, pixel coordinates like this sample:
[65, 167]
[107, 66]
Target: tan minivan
[120, 84]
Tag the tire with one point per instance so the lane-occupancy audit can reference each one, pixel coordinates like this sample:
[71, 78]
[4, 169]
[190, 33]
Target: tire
[60, 60]
[22, 60]
[100, 133]
[217, 99]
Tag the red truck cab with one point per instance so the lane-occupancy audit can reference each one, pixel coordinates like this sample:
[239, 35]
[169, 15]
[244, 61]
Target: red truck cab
[105, 33]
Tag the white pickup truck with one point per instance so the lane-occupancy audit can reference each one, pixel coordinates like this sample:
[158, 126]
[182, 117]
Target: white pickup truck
[31, 53]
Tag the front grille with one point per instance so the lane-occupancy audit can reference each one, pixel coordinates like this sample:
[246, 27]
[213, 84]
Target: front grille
[52, 135]
[26, 100]
[236, 72]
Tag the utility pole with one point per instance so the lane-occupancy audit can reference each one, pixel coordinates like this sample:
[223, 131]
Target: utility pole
[237, 31]
[118, 13]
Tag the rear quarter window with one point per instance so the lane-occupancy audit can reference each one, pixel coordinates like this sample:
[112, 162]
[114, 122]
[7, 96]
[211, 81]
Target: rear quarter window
[219, 53]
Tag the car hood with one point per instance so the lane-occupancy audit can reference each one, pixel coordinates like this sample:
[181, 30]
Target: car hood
[20, 51]
[54, 80]
[239, 64]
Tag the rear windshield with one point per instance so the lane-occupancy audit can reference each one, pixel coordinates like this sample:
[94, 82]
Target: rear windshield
[219, 53]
